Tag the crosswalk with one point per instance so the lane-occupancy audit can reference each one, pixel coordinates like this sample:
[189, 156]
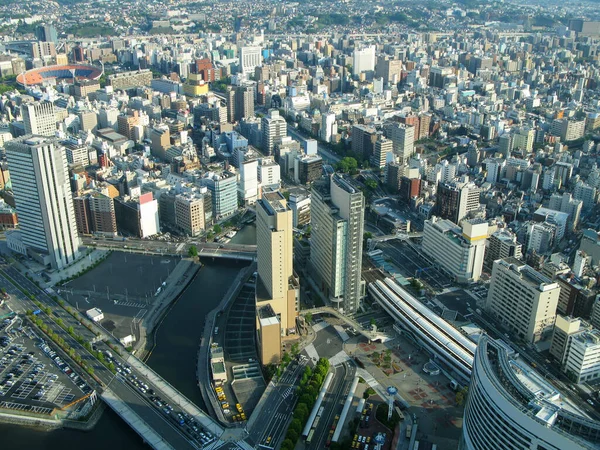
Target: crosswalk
[312, 353]
[339, 358]
[130, 304]
[343, 335]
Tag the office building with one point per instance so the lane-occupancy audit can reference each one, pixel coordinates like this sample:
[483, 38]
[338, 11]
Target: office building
[455, 200]
[193, 211]
[269, 173]
[540, 237]
[403, 137]
[46, 33]
[565, 327]
[337, 217]
[307, 169]
[328, 127]
[522, 300]
[557, 218]
[248, 184]
[502, 244]
[459, 251]
[363, 60]
[129, 80]
[300, 206]
[250, 58]
[363, 141]
[274, 128]
[39, 118]
[383, 152]
[42, 192]
[586, 193]
[223, 188]
[277, 285]
[511, 406]
[95, 214]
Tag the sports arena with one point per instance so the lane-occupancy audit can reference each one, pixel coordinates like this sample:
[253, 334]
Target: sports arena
[55, 74]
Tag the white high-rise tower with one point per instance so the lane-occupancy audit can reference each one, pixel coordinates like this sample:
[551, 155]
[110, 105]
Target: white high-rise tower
[40, 181]
[39, 118]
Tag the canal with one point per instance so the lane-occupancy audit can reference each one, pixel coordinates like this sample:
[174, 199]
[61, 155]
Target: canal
[174, 358]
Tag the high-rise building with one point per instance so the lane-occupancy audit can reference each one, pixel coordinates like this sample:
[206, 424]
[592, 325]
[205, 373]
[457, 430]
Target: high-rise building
[363, 60]
[502, 244]
[403, 137]
[522, 300]
[39, 118]
[454, 200]
[40, 182]
[328, 127]
[193, 211]
[277, 285]
[459, 251]
[46, 33]
[337, 216]
[248, 185]
[511, 406]
[95, 213]
[240, 103]
[384, 150]
[363, 141]
[223, 188]
[250, 57]
[274, 128]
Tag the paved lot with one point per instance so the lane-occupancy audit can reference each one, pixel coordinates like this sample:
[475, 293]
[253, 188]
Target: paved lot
[123, 287]
[30, 379]
[327, 342]
[432, 401]
[458, 300]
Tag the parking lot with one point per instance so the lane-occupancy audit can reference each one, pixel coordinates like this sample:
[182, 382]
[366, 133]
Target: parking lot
[33, 377]
[127, 291]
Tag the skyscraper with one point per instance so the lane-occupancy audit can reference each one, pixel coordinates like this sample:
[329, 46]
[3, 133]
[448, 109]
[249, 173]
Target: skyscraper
[39, 118]
[43, 198]
[274, 127]
[403, 137]
[455, 200]
[46, 33]
[363, 60]
[337, 215]
[276, 286]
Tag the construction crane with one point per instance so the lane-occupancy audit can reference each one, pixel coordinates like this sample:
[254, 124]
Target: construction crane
[74, 402]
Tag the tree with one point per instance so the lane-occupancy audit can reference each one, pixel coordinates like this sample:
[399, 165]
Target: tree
[292, 435]
[295, 349]
[193, 251]
[371, 183]
[296, 425]
[347, 165]
[308, 317]
[217, 228]
[287, 445]
[461, 396]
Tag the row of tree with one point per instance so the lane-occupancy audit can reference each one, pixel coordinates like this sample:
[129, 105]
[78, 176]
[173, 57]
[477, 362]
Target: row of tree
[310, 385]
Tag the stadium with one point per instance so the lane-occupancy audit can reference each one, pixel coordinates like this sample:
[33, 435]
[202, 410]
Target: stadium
[55, 74]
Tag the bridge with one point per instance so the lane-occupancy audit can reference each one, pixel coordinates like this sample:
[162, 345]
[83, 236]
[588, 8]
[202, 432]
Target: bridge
[151, 247]
[371, 335]
[159, 427]
[372, 242]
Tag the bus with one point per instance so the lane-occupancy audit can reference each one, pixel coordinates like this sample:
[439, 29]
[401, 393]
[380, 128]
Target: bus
[310, 436]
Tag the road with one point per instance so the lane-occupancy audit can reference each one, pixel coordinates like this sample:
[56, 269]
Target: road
[323, 152]
[333, 403]
[276, 415]
[138, 403]
[170, 248]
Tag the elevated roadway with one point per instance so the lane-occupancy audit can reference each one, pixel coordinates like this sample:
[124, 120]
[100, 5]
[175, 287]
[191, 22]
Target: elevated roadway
[205, 249]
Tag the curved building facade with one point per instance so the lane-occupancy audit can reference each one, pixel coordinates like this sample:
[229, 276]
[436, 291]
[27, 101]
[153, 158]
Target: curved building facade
[510, 406]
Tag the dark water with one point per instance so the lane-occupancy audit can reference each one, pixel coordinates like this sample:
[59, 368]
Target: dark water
[246, 236]
[174, 358]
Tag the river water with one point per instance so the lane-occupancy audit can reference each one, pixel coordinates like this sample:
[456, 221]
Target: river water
[246, 235]
[174, 358]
